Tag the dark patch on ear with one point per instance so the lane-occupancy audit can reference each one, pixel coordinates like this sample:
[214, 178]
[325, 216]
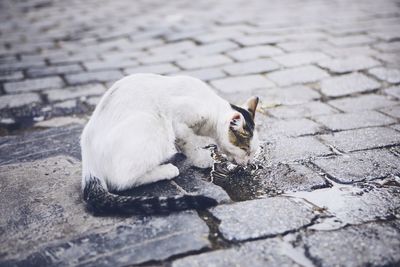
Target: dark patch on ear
[249, 125]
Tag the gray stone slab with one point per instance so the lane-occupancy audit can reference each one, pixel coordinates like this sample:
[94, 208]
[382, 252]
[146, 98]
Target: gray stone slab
[53, 70]
[362, 138]
[212, 48]
[300, 58]
[204, 74]
[45, 221]
[251, 67]
[338, 247]
[19, 100]
[393, 111]
[352, 40]
[291, 149]
[90, 77]
[241, 83]
[271, 97]
[297, 75]
[254, 52]
[165, 68]
[346, 121]
[348, 64]
[261, 218]
[290, 128]
[304, 110]
[348, 84]
[74, 92]
[389, 75]
[362, 102]
[203, 62]
[11, 75]
[33, 85]
[262, 253]
[360, 166]
[393, 91]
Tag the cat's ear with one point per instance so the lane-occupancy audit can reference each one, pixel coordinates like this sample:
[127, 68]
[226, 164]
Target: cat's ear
[251, 105]
[236, 122]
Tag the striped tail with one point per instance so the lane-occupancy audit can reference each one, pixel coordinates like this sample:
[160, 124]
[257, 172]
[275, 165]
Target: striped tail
[102, 201]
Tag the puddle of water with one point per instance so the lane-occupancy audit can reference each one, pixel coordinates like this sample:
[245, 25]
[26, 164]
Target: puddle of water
[351, 204]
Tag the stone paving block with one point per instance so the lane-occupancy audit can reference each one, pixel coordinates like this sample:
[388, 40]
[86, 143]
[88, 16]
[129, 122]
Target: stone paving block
[348, 64]
[393, 111]
[251, 67]
[396, 127]
[75, 92]
[161, 58]
[203, 62]
[165, 68]
[33, 85]
[72, 236]
[110, 64]
[59, 122]
[241, 83]
[53, 70]
[300, 58]
[347, 121]
[14, 101]
[21, 65]
[391, 59]
[344, 52]
[306, 45]
[348, 84]
[388, 46]
[309, 109]
[204, 74]
[393, 91]
[11, 75]
[292, 95]
[362, 138]
[254, 52]
[261, 218]
[363, 102]
[213, 48]
[90, 77]
[352, 40]
[173, 47]
[289, 128]
[360, 166]
[257, 254]
[303, 74]
[284, 150]
[337, 247]
[258, 39]
[271, 97]
[389, 75]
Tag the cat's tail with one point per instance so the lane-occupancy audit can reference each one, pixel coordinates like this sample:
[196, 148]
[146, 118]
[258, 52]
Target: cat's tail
[102, 201]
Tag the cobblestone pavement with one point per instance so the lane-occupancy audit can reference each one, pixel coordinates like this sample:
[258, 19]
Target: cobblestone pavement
[328, 74]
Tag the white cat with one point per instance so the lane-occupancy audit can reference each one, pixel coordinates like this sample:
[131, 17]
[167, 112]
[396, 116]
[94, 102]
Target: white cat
[141, 122]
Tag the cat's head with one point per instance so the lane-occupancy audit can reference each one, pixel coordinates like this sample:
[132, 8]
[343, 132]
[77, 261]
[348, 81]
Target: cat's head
[240, 139]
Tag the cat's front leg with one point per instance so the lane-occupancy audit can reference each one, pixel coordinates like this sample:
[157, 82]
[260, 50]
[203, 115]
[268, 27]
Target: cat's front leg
[192, 146]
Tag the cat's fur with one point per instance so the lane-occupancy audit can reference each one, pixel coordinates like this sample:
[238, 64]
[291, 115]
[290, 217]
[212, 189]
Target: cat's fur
[141, 122]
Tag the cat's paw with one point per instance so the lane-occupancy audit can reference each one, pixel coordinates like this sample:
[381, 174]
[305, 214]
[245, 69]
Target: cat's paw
[201, 159]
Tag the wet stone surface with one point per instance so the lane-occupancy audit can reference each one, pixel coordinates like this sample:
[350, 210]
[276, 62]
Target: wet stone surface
[261, 218]
[327, 188]
[52, 227]
[372, 244]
